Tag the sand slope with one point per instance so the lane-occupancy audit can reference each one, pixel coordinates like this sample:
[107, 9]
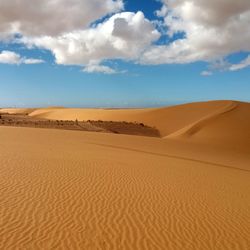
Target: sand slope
[226, 123]
[227, 127]
[17, 110]
[71, 190]
[167, 120]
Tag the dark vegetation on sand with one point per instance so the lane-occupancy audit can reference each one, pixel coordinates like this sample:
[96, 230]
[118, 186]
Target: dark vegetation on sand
[129, 128]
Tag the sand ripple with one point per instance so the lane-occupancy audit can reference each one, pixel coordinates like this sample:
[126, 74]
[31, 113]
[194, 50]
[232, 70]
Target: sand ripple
[59, 192]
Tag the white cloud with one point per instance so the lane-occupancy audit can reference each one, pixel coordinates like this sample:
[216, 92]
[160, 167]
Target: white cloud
[32, 61]
[10, 57]
[162, 12]
[95, 67]
[63, 27]
[123, 36]
[211, 30]
[206, 73]
[52, 17]
[243, 64]
[205, 30]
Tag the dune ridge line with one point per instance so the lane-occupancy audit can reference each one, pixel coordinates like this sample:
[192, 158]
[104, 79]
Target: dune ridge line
[191, 129]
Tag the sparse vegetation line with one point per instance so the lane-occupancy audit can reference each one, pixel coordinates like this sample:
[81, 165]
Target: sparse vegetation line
[129, 128]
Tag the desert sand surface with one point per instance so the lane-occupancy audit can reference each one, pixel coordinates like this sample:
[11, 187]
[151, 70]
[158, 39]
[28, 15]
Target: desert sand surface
[90, 190]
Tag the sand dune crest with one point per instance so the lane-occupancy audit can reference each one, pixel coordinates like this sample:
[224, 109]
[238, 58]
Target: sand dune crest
[199, 124]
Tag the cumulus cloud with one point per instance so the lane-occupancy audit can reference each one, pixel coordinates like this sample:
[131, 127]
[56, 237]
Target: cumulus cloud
[10, 57]
[52, 17]
[208, 30]
[76, 32]
[63, 27]
[123, 36]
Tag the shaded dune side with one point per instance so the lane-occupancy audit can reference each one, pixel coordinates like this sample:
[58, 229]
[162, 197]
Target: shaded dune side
[171, 119]
[228, 127]
[193, 128]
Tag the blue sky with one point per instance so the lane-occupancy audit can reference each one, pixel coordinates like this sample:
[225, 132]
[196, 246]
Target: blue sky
[138, 81]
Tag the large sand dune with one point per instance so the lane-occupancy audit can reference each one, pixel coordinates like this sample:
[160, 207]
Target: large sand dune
[87, 190]
[167, 120]
[217, 122]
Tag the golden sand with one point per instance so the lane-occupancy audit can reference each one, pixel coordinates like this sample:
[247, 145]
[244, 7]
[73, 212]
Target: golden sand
[86, 190]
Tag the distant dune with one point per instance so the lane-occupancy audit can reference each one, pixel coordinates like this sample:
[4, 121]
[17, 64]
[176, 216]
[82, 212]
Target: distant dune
[17, 110]
[219, 122]
[222, 123]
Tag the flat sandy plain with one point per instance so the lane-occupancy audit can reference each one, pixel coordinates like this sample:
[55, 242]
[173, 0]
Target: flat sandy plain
[189, 189]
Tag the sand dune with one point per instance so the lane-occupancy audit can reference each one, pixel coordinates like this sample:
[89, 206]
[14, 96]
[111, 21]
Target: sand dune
[228, 127]
[167, 120]
[193, 128]
[218, 122]
[223, 124]
[87, 190]
[17, 110]
[71, 190]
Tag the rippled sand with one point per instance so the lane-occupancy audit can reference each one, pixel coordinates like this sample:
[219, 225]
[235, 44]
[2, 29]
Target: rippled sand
[80, 190]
